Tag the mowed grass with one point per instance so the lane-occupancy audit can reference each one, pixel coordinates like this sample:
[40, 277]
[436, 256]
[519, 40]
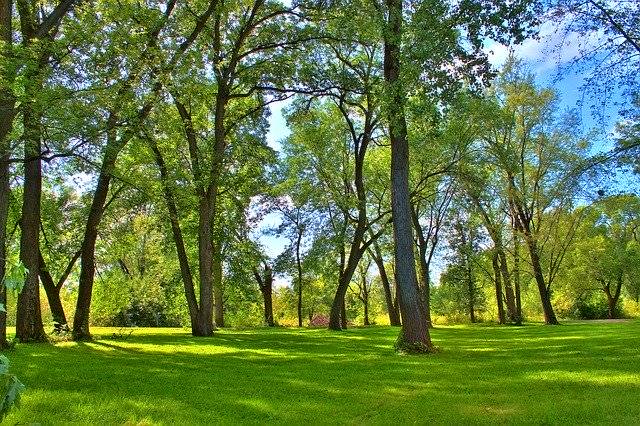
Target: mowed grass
[575, 373]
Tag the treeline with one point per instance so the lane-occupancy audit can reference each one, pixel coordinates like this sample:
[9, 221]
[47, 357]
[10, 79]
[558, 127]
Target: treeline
[134, 168]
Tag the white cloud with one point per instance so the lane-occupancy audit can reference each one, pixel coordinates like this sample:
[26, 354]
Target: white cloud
[554, 47]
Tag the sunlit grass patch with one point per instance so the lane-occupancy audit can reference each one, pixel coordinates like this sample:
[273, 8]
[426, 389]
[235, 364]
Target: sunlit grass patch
[576, 373]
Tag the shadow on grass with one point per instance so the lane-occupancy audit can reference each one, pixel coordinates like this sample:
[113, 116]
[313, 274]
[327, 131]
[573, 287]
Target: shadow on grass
[570, 374]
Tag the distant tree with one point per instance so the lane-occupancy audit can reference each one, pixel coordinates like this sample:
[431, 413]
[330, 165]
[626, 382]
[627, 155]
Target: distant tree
[265, 282]
[537, 155]
[605, 253]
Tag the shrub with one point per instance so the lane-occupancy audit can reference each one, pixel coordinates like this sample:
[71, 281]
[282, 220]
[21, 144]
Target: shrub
[11, 388]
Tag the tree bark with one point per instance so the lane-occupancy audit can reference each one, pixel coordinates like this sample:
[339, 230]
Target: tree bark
[498, 286]
[218, 286]
[392, 308]
[7, 115]
[29, 327]
[366, 310]
[516, 275]
[415, 333]
[425, 286]
[612, 299]
[5, 191]
[87, 257]
[299, 266]
[545, 296]
[53, 297]
[471, 289]
[204, 326]
[336, 322]
[183, 259]
[265, 283]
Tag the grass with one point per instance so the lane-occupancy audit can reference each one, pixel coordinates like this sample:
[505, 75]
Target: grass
[576, 373]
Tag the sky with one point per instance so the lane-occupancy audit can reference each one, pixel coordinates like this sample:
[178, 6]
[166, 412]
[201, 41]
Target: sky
[540, 56]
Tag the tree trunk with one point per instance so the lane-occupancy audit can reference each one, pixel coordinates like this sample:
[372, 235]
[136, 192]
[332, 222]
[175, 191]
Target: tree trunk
[53, 297]
[498, 285]
[508, 289]
[266, 287]
[7, 115]
[471, 289]
[366, 310]
[29, 326]
[336, 322]
[87, 257]
[612, 299]
[299, 266]
[425, 284]
[343, 314]
[204, 326]
[545, 297]
[218, 286]
[5, 191]
[183, 260]
[611, 303]
[415, 333]
[516, 275]
[394, 315]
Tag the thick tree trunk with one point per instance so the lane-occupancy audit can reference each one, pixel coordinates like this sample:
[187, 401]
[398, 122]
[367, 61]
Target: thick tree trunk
[415, 333]
[498, 286]
[204, 325]
[343, 315]
[365, 302]
[394, 315]
[7, 115]
[29, 326]
[611, 304]
[267, 296]
[5, 191]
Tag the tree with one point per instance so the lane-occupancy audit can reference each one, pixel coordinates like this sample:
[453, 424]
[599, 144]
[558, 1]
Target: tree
[415, 333]
[265, 282]
[144, 64]
[605, 250]
[7, 112]
[38, 30]
[536, 156]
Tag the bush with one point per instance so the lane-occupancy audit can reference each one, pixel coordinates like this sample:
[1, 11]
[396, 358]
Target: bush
[11, 388]
[145, 314]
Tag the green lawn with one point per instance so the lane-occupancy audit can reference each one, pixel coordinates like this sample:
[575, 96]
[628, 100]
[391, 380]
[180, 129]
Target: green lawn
[575, 373]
